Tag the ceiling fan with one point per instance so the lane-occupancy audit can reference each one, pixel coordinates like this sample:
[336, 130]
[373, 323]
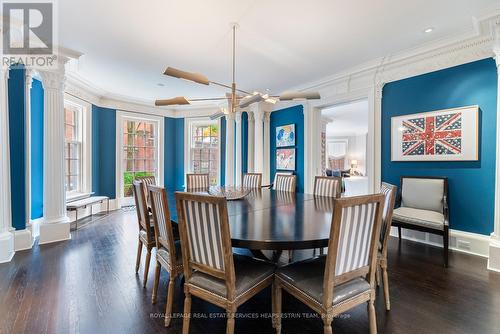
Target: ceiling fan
[235, 100]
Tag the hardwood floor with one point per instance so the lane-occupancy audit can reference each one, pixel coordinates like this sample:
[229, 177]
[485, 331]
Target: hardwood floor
[88, 285]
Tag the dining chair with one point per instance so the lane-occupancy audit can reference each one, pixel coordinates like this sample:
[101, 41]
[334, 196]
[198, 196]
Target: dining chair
[146, 229]
[147, 180]
[252, 180]
[422, 205]
[329, 186]
[168, 251]
[345, 277]
[197, 181]
[285, 182]
[389, 192]
[211, 271]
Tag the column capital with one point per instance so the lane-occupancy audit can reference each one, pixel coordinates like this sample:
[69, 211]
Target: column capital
[29, 78]
[496, 51]
[379, 87]
[251, 117]
[258, 115]
[53, 79]
[237, 117]
[267, 116]
[230, 116]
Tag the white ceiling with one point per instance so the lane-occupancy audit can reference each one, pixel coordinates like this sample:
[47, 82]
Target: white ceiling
[347, 119]
[280, 44]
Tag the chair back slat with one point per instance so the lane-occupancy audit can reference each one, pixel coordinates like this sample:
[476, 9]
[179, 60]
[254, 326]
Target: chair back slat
[389, 192]
[205, 237]
[328, 186]
[147, 180]
[353, 241]
[285, 182]
[142, 207]
[197, 181]
[252, 180]
[161, 218]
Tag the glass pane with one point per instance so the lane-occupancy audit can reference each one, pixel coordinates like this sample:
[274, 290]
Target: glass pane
[139, 165]
[73, 183]
[150, 166]
[140, 153]
[128, 178]
[69, 116]
[74, 167]
[127, 191]
[69, 132]
[129, 127]
[73, 150]
[150, 153]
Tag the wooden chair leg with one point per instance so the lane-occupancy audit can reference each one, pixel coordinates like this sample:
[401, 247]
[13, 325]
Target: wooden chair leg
[157, 281]
[170, 300]
[446, 240]
[399, 233]
[386, 287]
[138, 260]
[187, 313]
[327, 325]
[277, 307]
[230, 321]
[146, 267]
[372, 316]
[377, 274]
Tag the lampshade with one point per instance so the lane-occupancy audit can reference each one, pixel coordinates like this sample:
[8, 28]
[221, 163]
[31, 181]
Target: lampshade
[354, 162]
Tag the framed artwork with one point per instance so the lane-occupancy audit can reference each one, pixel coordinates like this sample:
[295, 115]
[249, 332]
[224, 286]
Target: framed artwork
[285, 159]
[285, 135]
[443, 135]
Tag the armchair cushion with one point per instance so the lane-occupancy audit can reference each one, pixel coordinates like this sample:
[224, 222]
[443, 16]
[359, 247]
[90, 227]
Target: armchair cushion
[424, 218]
[307, 276]
[248, 273]
[423, 194]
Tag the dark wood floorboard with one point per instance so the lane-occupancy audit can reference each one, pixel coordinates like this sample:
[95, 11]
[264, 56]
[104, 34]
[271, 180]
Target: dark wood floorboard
[88, 285]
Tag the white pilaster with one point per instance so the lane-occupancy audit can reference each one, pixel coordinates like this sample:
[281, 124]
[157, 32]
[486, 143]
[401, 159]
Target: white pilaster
[259, 140]
[251, 138]
[23, 238]
[374, 142]
[238, 162]
[55, 225]
[312, 144]
[230, 149]
[6, 237]
[494, 253]
[266, 174]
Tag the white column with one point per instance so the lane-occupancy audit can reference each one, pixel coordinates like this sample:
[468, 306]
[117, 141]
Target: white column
[6, 237]
[238, 162]
[251, 138]
[494, 256]
[312, 145]
[259, 140]
[230, 149]
[266, 175]
[374, 142]
[55, 226]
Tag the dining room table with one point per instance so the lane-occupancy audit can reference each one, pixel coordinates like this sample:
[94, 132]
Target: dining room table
[267, 219]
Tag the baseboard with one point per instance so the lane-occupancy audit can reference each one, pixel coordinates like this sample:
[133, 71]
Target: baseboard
[23, 239]
[494, 258]
[6, 247]
[460, 241]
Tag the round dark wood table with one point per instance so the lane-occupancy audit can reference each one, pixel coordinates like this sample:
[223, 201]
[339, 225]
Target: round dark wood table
[267, 219]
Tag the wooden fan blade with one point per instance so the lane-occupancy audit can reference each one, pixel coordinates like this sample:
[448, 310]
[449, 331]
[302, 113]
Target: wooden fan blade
[289, 96]
[196, 77]
[179, 100]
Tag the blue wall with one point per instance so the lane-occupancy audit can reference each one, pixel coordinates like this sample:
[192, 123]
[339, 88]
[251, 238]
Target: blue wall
[16, 86]
[244, 142]
[104, 151]
[471, 184]
[179, 153]
[292, 115]
[36, 101]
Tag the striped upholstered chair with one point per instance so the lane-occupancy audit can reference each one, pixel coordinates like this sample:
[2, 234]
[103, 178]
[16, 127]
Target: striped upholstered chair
[389, 192]
[284, 182]
[168, 253]
[211, 270]
[197, 182]
[344, 278]
[148, 181]
[252, 180]
[328, 186]
[146, 229]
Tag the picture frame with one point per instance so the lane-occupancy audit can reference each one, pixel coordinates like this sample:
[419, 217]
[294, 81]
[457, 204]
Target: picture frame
[285, 135]
[441, 135]
[285, 159]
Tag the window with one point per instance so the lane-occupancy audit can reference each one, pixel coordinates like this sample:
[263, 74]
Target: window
[140, 152]
[72, 147]
[204, 152]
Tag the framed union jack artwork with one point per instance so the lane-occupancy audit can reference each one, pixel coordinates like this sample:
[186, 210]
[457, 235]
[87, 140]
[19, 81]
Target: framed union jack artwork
[443, 135]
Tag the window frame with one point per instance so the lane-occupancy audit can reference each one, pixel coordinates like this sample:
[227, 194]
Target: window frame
[158, 122]
[188, 135]
[84, 143]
